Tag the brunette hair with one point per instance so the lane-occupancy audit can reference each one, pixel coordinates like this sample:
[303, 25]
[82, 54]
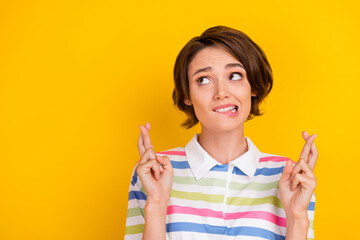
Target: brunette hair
[241, 47]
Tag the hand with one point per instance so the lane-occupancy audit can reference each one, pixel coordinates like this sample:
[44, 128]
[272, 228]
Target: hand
[297, 183]
[156, 179]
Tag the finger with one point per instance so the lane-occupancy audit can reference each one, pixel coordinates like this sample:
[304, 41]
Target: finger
[140, 145]
[287, 171]
[295, 170]
[158, 158]
[305, 182]
[305, 135]
[148, 166]
[156, 169]
[313, 151]
[165, 161]
[294, 183]
[147, 125]
[306, 149]
[148, 155]
[302, 167]
[313, 156]
[146, 139]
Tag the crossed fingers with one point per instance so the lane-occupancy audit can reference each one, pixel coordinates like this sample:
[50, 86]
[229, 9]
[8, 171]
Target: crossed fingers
[303, 171]
[309, 152]
[147, 154]
[144, 141]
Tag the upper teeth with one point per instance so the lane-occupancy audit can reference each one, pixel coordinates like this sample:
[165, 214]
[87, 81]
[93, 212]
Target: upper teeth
[233, 109]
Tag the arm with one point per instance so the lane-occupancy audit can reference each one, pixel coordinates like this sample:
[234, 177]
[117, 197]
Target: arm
[156, 175]
[300, 226]
[297, 185]
[155, 221]
[297, 228]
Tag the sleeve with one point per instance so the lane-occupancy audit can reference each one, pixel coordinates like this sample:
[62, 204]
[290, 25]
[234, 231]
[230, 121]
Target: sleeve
[135, 219]
[311, 213]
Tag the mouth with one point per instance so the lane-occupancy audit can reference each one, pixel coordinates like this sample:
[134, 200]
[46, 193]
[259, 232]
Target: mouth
[224, 109]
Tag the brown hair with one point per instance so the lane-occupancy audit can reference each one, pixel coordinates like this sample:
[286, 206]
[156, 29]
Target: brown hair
[241, 47]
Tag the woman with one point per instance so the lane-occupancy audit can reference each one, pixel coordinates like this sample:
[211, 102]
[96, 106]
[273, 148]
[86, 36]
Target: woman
[220, 186]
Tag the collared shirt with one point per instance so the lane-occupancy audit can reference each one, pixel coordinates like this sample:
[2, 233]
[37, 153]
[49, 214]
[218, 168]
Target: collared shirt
[210, 200]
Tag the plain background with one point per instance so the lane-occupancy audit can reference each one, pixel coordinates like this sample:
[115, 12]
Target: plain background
[78, 77]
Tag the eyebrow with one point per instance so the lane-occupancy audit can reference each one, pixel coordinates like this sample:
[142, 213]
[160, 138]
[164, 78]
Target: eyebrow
[229, 65]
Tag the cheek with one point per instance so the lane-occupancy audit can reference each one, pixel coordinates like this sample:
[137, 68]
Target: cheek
[243, 94]
[201, 106]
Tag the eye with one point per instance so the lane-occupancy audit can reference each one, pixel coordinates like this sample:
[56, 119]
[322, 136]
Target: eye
[236, 76]
[203, 80]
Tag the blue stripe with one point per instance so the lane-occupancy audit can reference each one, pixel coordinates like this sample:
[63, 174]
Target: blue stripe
[261, 171]
[269, 171]
[222, 230]
[311, 206]
[237, 171]
[220, 168]
[194, 227]
[185, 165]
[180, 164]
[134, 178]
[224, 168]
[137, 195]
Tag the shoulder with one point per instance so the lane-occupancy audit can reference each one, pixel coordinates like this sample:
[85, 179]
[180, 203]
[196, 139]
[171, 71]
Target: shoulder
[174, 153]
[275, 163]
[272, 158]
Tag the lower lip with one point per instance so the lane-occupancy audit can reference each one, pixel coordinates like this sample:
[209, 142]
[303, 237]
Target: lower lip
[230, 113]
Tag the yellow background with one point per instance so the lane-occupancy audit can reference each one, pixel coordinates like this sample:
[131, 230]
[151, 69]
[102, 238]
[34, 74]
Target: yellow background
[77, 78]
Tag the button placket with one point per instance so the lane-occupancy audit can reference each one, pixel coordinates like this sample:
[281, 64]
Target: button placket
[228, 179]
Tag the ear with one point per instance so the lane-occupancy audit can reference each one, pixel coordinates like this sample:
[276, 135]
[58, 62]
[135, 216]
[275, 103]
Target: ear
[253, 94]
[187, 102]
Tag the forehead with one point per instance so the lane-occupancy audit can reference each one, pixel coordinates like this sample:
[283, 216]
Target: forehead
[212, 56]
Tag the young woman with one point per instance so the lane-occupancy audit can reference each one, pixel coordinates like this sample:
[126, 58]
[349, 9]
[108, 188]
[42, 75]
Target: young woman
[220, 186]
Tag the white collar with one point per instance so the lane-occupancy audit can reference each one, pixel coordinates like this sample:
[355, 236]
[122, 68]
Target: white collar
[201, 162]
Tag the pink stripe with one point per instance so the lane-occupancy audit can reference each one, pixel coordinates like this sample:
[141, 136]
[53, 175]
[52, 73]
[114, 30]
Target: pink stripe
[275, 159]
[178, 153]
[173, 209]
[258, 215]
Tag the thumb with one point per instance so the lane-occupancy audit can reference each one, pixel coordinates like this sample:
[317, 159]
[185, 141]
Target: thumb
[165, 161]
[287, 171]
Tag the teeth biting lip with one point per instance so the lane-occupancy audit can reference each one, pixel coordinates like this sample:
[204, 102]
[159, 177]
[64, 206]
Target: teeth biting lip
[232, 108]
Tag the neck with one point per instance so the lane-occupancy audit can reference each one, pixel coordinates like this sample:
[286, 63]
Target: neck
[223, 146]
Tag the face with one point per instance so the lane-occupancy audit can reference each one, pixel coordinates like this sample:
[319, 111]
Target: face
[219, 90]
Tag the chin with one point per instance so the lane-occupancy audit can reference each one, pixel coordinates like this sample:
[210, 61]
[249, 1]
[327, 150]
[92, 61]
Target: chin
[224, 126]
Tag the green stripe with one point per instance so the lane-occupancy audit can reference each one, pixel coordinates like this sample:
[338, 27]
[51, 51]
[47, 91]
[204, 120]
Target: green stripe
[311, 224]
[240, 201]
[195, 196]
[136, 211]
[201, 182]
[134, 229]
[253, 186]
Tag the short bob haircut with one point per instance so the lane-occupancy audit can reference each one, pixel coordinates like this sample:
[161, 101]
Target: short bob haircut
[241, 47]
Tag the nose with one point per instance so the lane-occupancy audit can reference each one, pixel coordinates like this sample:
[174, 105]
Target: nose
[221, 90]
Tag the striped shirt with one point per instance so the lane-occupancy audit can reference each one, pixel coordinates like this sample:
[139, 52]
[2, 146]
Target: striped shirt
[209, 200]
